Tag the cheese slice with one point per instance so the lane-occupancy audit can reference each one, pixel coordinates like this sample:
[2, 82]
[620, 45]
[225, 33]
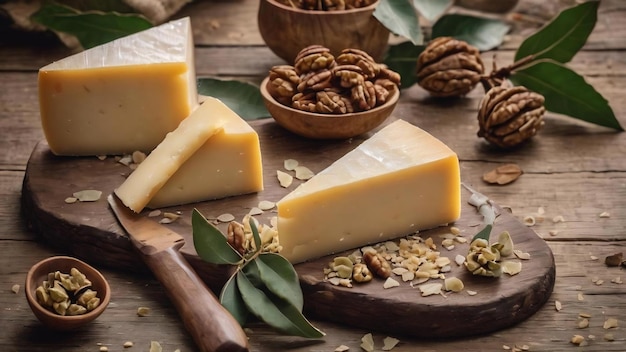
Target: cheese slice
[122, 96]
[399, 181]
[177, 147]
[227, 164]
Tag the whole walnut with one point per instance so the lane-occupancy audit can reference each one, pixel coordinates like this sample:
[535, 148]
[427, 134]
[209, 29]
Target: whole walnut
[508, 116]
[449, 67]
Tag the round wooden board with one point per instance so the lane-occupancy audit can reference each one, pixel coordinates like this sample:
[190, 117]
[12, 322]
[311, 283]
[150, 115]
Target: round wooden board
[90, 231]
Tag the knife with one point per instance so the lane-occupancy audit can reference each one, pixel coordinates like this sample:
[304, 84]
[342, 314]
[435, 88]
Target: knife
[212, 327]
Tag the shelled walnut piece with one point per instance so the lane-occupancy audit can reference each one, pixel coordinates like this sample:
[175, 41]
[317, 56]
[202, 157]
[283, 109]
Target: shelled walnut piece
[322, 83]
[67, 294]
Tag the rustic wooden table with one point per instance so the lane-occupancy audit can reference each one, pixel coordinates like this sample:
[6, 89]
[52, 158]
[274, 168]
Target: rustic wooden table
[572, 169]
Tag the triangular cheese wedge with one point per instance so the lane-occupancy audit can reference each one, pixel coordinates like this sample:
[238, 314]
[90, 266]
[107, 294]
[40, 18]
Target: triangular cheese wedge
[122, 96]
[399, 181]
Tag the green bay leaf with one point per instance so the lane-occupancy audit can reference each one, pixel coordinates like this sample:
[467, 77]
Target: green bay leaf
[400, 18]
[280, 277]
[243, 98]
[566, 92]
[483, 33]
[210, 243]
[402, 58]
[564, 36]
[431, 9]
[275, 312]
[230, 297]
[91, 28]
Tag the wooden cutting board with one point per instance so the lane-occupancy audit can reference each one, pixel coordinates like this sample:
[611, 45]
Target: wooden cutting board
[90, 231]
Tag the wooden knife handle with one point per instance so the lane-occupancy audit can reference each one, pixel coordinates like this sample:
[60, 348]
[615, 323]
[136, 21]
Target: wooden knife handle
[212, 327]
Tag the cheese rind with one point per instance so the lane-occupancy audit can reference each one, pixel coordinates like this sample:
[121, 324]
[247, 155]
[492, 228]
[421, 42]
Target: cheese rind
[227, 164]
[177, 147]
[399, 181]
[121, 96]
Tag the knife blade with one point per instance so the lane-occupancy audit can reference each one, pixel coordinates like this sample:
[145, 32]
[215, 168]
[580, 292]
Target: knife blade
[211, 326]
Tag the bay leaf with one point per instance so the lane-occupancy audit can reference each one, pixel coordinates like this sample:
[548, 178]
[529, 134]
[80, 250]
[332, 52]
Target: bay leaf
[243, 98]
[483, 33]
[230, 298]
[209, 242]
[566, 92]
[562, 37]
[400, 18]
[275, 312]
[402, 58]
[280, 277]
[91, 28]
[431, 9]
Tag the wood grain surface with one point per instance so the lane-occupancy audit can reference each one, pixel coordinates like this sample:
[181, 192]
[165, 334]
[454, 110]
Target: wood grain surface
[88, 227]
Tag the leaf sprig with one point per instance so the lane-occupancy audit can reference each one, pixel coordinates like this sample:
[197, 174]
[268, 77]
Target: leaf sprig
[265, 285]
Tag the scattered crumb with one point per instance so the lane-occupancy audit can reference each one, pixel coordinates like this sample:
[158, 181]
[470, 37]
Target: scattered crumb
[583, 323]
[610, 323]
[71, 200]
[605, 214]
[529, 220]
[303, 173]
[389, 343]
[390, 282]
[577, 340]
[553, 232]
[342, 348]
[227, 217]
[88, 195]
[143, 311]
[367, 343]
[471, 292]
[558, 306]
[15, 288]
[503, 174]
[558, 218]
[284, 178]
[154, 213]
[266, 205]
[103, 349]
[290, 164]
[609, 337]
[580, 296]
[128, 344]
[155, 346]
[255, 211]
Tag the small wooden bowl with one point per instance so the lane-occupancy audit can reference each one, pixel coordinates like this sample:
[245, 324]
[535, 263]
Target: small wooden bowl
[287, 30]
[39, 272]
[327, 126]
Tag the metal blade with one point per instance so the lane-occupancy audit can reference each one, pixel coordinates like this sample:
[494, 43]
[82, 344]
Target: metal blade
[143, 231]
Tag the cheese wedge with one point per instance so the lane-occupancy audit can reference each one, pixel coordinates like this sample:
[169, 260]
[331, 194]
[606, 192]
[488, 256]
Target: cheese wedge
[399, 181]
[177, 147]
[227, 164]
[122, 96]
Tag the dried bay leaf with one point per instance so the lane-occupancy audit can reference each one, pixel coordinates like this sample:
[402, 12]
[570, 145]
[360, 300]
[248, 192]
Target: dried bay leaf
[503, 174]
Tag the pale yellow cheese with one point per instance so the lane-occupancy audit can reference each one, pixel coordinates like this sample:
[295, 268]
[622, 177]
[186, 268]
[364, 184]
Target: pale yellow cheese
[177, 147]
[122, 96]
[399, 181]
[228, 164]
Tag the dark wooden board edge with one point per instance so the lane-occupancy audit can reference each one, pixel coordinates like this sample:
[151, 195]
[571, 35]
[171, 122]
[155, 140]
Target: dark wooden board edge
[90, 232]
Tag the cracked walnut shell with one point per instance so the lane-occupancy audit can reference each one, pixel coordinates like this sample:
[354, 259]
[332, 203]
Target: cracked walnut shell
[508, 116]
[449, 67]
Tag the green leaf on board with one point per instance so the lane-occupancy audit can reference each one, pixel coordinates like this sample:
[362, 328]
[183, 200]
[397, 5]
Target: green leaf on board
[431, 9]
[243, 98]
[230, 297]
[566, 92]
[280, 277]
[277, 313]
[91, 28]
[564, 36]
[484, 233]
[483, 33]
[402, 58]
[210, 243]
[400, 18]
[99, 5]
[255, 234]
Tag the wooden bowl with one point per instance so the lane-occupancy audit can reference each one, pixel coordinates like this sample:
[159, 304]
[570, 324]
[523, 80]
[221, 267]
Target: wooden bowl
[327, 126]
[287, 30]
[39, 272]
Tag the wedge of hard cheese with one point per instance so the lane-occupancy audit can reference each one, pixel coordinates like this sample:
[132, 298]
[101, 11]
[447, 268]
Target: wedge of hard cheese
[227, 164]
[122, 96]
[177, 147]
[399, 181]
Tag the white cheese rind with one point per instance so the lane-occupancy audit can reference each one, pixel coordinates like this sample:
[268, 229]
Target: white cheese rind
[399, 181]
[122, 96]
[177, 147]
[227, 164]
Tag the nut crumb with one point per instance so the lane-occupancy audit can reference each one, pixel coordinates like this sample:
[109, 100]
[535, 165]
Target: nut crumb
[605, 214]
[290, 164]
[284, 178]
[529, 220]
[303, 173]
[577, 339]
[155, 346]
[154, 213]
[610, 323]
[390, 282]
[143, 311]
[71, 200]
[558, 306]
[227, 217]
[583, 323]
[367, 342]
[389, 343]
[103, 349]
[128, 344]
[266, 205]
[15, 288]
[558, 218]
[342, 348]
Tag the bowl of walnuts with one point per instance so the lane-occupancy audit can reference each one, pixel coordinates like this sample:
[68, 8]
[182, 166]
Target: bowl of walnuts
[66, 293]
[326, 97]
[287, 26]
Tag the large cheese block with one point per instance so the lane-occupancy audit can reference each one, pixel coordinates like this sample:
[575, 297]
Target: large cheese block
[397, 182]
[122, 96]
[177, 147]
[227, 164]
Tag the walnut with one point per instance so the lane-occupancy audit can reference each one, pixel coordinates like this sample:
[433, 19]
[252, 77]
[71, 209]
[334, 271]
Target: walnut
[316, 81]
[361, 273]
[330, 102]
[304, 102]
[508, 116]
[236, 237]
[283, 82]
[377, 264]
[364, 95]
[449, 67]
[313, 58]
[348, 75]
[361, 59]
